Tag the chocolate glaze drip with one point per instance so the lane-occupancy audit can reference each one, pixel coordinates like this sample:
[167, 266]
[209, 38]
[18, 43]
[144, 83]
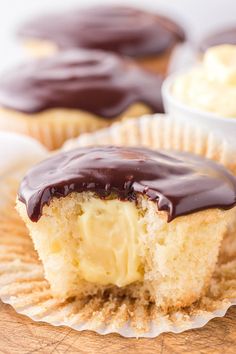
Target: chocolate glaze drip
[121, 29]
[228, 36]
[180, 183]
[94, 81]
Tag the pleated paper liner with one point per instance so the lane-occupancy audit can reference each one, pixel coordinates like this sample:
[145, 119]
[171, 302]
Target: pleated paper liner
[54, 126]
[159, 132]
[22, 282]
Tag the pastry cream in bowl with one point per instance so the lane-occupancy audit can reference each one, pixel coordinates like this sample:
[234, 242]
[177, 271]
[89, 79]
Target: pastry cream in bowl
[211, 86]
[206, 93]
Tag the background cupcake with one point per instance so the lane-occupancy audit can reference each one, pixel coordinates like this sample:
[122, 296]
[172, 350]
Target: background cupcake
[59, 97]
[146, 37]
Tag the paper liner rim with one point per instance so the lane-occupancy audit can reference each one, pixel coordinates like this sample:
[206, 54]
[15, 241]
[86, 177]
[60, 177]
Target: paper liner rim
[199, 321]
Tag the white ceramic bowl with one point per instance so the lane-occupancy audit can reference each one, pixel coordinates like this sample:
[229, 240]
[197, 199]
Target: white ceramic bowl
[221, 126]
[17, 151]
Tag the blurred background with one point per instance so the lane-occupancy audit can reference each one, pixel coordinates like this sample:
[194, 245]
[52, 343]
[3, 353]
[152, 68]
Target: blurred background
[198, 16]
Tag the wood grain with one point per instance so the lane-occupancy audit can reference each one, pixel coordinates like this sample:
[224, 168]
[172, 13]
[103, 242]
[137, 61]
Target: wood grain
[19, 335]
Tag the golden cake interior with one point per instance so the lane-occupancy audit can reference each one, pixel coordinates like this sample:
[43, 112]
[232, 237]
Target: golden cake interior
[90, 245]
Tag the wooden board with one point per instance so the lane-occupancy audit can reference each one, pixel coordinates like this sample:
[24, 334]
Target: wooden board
[18, 334]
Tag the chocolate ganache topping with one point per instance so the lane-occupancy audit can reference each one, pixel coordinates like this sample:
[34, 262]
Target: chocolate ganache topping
[121, 29]
[227, 36]
[180, 183]
[94, 81]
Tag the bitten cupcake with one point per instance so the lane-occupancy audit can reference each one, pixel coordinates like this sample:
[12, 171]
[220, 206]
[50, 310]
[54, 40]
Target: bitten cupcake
[62, 96]
[128, 221]
[146, 37]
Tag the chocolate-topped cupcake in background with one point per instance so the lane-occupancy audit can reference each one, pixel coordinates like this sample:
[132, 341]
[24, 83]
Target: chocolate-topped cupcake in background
[73, 92]
[223, 36]
[146, 37]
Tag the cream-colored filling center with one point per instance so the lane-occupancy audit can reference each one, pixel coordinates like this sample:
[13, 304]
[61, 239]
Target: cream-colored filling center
[108, 251]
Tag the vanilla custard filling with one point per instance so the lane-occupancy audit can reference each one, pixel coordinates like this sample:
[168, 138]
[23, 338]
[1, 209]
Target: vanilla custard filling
[108, 250]
[211, 86]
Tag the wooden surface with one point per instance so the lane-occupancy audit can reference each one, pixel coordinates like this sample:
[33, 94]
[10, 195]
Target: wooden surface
[18, 334]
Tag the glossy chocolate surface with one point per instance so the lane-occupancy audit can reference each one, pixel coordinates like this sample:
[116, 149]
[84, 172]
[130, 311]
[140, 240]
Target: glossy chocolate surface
[94, 81]
[120, 29]
[227, 36]
[180, 183]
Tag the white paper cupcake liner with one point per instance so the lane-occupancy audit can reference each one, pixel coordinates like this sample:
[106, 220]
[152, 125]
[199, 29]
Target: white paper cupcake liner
[159, 132]
[22, 282]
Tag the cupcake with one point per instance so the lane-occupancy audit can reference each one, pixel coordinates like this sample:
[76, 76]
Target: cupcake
[224, 36]
[146, 37]
[128, 221]
[78, 91]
